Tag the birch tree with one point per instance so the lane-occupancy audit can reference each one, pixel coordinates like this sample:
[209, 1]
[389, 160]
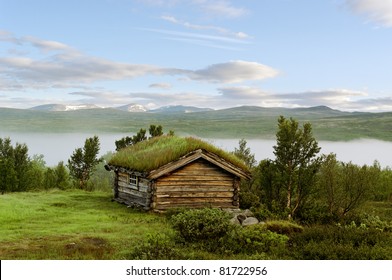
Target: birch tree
[296, 160]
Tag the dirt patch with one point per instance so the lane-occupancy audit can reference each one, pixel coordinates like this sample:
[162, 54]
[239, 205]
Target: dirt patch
[88, 248]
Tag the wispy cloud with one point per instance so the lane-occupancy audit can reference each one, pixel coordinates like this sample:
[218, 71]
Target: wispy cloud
[222, 8]
[216, 8]
[379, 11]
[160, 85]
[200, 36]
[234, 72]
[217, 29]
[341, 99]
[60, 64]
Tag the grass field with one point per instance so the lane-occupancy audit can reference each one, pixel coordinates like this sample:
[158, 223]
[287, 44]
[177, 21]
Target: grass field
[74, 224]
[71, 225]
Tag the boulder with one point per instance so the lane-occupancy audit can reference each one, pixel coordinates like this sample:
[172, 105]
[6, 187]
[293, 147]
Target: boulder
[250, 221]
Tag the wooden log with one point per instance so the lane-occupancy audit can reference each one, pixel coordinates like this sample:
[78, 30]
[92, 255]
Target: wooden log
[195, 194]
[174, 177]
[164, 207]
[125, 185]
[168, 189]
[130, 200]
[195, 183]
[133, 192]
[193, 199]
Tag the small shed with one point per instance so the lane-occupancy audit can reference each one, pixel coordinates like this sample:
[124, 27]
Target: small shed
[172, 172]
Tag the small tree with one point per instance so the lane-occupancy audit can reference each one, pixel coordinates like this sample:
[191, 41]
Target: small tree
[243, 152]
[295, 152]
[83, 161]
[154, 131]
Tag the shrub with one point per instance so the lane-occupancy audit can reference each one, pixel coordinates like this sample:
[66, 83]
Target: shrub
[340, 243]
[249, 200]
[201, 224]
[254, 240]
[157, 247]
[283, 227]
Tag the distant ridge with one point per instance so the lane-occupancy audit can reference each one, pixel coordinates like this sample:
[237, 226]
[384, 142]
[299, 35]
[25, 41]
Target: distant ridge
[61, 107]
[239, 122]
[180, 109]
[133, 107]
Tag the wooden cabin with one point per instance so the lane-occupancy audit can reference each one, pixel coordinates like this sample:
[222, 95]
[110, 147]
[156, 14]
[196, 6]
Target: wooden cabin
[192, 174]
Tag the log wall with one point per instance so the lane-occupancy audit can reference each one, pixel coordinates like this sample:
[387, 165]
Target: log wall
[133, 195]
[198, 184]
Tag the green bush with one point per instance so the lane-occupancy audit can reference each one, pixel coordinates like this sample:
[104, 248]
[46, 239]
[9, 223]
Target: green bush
[254, 240]
[201, 224]
[340, 243]
[249, 200]
[283, 227]
[157, 247]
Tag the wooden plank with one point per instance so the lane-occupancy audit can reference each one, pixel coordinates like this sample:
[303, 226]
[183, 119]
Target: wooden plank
[207, 177]
[134, 200]
[194, 205]
[168, 189]
[123, 178]
[194, 200]
[128, 186]
[132, 192]
[195, 194]
[195, 183]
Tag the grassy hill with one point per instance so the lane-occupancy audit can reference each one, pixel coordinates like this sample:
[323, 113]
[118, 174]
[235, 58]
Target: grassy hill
[239, 122]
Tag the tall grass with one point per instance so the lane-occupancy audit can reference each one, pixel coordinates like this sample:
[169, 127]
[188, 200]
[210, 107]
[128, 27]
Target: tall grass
[158, 151]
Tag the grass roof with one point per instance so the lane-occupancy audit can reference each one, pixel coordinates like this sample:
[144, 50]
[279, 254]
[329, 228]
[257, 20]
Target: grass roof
[151, 154]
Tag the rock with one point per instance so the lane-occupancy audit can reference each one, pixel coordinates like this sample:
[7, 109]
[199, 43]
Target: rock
[241, 218]
[235, 221]
[250, 221]
[248, 213]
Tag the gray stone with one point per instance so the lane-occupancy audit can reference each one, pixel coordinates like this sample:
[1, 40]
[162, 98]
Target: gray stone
[250, 221]
[235, 221]
[248, 213]
[241, 217]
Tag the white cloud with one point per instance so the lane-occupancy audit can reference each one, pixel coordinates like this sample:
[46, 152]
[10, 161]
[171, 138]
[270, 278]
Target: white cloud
[60, 64]
[161, 85]
[341, 99]
[234, 72]
[379, 11]
[222, 8]
[220, 30]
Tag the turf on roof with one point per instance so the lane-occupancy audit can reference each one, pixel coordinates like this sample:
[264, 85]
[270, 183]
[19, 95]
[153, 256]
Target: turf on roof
[151, 154]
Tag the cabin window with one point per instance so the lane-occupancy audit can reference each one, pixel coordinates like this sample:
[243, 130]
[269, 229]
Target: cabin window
[134, 181]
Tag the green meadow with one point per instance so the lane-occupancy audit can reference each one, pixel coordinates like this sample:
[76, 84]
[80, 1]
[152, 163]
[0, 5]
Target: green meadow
[75, 224]
[71, 225]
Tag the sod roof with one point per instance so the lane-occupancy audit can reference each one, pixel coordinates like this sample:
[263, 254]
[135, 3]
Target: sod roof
[151, 154]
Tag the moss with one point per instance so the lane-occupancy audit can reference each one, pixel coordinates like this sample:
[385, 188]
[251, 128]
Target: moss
[151, 154]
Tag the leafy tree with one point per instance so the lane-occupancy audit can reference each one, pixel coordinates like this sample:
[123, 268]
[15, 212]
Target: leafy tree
[154, 131]
[36, 172]
[344, 187]
[295, 152]
[243, 152]
[22, 165]
[62, 176]
[49, 179]
[83, 161]
[14, 165]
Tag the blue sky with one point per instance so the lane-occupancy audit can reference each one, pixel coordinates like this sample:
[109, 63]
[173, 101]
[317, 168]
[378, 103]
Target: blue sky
[205, 53]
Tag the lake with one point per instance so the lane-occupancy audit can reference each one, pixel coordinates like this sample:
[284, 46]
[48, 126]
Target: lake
[59, 146]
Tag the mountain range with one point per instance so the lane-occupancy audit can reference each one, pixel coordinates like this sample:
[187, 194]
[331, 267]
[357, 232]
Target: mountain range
[235, 123]
[133, 107]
